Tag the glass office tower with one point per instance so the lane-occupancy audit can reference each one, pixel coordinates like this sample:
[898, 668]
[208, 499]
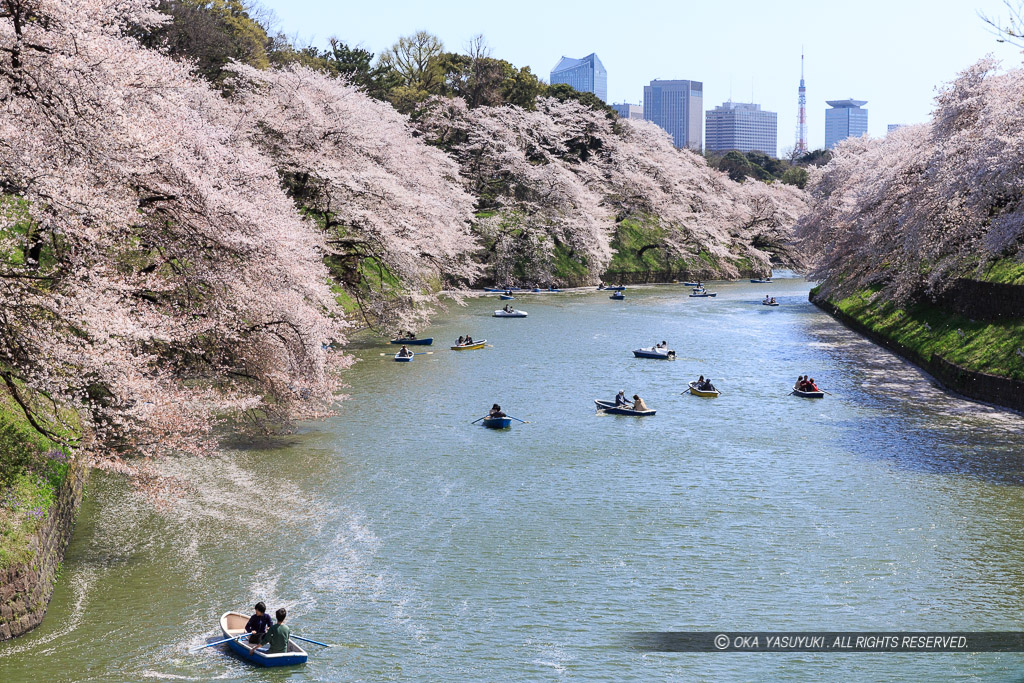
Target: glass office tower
[678, 107]
[844, 120]
[586, 75]
[742, 126]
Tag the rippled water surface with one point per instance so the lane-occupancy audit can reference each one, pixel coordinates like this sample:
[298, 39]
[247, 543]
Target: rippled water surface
[429, 549]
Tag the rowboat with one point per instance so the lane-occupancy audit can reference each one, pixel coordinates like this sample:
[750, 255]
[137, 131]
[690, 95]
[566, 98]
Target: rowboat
[703, 294]
[497, 422]
[610, 407]
[762, 281]
[617, 296]
[616, 288]
[404, 359]
[507, 297]
[233, 624]
[769, 303]
[538, 290]
[501, 289]
[713, 393]
[466, 347]
[426, 341]
[808, 394]
[691, 284]
[655, 352]
[501, 313]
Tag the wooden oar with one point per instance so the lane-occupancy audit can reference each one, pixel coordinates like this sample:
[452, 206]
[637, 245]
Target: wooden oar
[226, 640]
[516, 418]
[307, 640]
[478, 419]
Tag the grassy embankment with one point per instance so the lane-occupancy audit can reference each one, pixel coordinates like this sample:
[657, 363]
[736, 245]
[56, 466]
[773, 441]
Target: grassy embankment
[32, 469]
[995, 348]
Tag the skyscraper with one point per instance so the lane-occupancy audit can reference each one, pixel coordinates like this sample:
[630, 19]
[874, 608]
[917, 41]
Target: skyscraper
[741, 126]
[845, 119]
[629, 111]
[678, 107]
[586, 75]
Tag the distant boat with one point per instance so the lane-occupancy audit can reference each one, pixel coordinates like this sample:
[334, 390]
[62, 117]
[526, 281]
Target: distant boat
[691, 284]
[426, 341]
[610, 407]
[769, 303]
[497, 422]
[466, 347]
[617, 296]
[233, 624]
[655, 352]
[808, 394]
[705, 393]
[502, 313]
[538, 290]
[507, 297]
[703, 293]
[501, 289]
[764, 281]
[404, 359]
[616, 288]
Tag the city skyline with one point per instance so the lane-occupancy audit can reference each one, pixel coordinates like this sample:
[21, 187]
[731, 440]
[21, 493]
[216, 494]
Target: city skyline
[934, 41]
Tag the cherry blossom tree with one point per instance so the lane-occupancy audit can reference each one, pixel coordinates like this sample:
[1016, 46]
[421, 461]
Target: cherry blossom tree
[911, 211]
[562, 177]
[396, 217]
[154, 277]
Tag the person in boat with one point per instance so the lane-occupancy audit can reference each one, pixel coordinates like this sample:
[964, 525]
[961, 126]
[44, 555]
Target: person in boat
[620, 399]
[468, 340]
[258, 624]
[700, 381]
[811, 385]
[410, 335]
[405, 352]
[708, 386]
[766, 299]
[638, 403]
[773, 300]
[801, 382]
[495, 411]
[460, 341]
[277, 635]
[508, 292]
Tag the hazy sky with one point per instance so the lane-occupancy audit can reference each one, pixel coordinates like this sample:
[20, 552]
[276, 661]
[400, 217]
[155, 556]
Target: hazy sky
[892, 53]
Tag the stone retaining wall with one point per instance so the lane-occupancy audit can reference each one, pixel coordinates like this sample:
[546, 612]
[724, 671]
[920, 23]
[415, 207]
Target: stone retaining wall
[25, 590]
[980, 386]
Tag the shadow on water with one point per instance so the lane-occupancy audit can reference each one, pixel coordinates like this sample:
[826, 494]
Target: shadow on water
[918, 425]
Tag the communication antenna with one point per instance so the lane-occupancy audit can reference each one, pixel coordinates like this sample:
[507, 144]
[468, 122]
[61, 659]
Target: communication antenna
[801, 102]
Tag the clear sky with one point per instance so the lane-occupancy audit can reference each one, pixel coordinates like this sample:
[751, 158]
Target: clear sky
[892, 53]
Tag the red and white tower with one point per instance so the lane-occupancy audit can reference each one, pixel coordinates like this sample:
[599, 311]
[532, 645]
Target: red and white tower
[801, 125]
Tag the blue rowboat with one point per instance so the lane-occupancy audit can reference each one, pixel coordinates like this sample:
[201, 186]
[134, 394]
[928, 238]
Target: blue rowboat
[507, 297]
[610, 407]
[426, 341]
[497, 422]
[233, 624]
[762, 281]
[691, 284]
[808, 394]
[703, 294]
[501, 289]
[617, 288]
[617, 296]
[404, 359]
[654, 352]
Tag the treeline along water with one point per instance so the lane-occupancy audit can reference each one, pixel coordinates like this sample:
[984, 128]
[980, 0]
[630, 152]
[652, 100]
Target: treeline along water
[435, 550]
